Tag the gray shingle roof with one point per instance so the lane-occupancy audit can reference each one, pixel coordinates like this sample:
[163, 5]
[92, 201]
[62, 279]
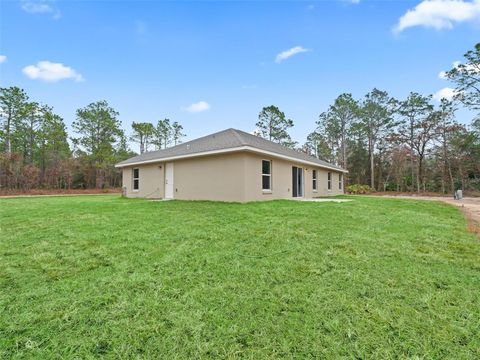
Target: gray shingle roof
[226, 139]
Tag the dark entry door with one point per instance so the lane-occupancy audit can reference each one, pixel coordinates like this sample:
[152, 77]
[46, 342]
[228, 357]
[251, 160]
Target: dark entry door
[297, 182]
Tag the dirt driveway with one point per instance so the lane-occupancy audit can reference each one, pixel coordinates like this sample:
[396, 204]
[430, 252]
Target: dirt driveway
[470, 206]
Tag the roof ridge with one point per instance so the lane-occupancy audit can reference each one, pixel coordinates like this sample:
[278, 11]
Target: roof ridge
[238, 136]
[186, 143]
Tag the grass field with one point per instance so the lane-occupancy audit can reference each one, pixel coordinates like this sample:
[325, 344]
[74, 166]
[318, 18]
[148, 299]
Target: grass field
[126, 278]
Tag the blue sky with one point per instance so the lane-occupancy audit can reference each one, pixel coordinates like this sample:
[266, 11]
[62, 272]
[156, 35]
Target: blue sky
[152, 60]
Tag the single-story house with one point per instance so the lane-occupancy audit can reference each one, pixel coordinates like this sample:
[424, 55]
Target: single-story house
[230, 165]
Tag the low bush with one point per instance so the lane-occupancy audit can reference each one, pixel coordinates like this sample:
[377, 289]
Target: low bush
[359, 189]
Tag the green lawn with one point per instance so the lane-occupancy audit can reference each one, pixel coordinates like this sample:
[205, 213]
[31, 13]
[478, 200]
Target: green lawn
[100, 276]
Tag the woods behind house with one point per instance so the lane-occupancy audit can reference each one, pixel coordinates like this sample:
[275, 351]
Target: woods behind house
[412, 144]
[37, 152]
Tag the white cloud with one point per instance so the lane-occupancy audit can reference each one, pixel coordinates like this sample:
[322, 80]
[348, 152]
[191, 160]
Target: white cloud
[51, 72]
[439, 14]
[442, 75]
[445, 93]
[40, 7]
[198, 107]
[468, 67]
[3, 58]
[284, 55]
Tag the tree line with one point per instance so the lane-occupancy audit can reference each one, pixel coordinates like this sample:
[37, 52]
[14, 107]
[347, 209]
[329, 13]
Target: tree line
[37, 152]
[396, 145]
[410, 144]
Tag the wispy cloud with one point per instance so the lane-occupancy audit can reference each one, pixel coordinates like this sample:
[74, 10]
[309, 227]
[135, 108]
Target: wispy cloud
[41, 7]
[442, 75]
[439, 14]
[249, 86]
[198, 107]
[445, 93]
[51, 72]
[141, 31]
[3, 58]
[468, 67]
[349, 2]
[141, 28]
[284, 55]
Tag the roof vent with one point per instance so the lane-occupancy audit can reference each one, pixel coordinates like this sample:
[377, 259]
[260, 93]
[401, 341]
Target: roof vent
[188, 147]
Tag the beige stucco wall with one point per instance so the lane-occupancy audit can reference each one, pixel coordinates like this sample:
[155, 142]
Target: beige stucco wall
[151, 181]
[219, 177]
[282, 179]
[227, 177]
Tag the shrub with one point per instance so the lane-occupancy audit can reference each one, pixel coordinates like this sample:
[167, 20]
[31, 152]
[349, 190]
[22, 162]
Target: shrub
[359, 189]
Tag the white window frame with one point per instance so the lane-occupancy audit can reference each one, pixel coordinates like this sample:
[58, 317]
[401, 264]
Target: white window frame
[340, 181]
[314, 180]
[329, 181]
[269, 176]
[135, 178]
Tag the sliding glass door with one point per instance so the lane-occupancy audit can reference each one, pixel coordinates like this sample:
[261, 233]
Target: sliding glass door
[297, 182]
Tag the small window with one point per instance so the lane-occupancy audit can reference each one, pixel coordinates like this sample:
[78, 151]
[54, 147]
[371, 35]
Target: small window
[329, 181]
[340, 181]
[136, 179]
[266, 175]
[314, 180]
